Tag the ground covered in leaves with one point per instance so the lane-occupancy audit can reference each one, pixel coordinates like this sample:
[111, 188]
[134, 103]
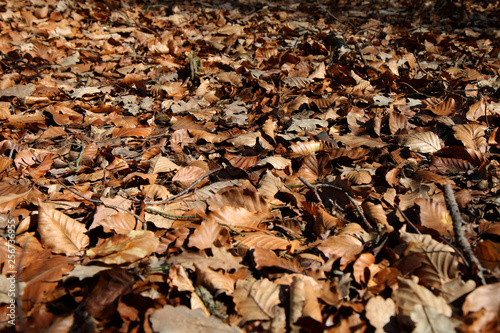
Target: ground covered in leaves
[211, 166]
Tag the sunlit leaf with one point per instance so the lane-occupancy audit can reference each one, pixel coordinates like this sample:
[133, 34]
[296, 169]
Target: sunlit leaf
[59, 232]
[421, 142]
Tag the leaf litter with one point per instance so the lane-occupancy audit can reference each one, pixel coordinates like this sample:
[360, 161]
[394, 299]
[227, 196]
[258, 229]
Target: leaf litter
[250, 166]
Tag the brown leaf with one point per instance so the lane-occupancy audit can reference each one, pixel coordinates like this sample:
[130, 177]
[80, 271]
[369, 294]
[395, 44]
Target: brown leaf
[304, 299]
[444, 108]
[205, 235]
[435, 216]
[410, 293]
[188, 175]
[265, 241]
[256, 300]
[484, 297]
[472, 136]
[379, 312]
[267, 258]
[181, 319]
[437, 262]
[421, 142]
[59, 232]
[376, 214]
[121, 249]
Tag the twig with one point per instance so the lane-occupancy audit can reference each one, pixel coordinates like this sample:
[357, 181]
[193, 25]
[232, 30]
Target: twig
[314, 188]
[344, 23]
[170, 216]
[462, 242]
[144, 225]
[186, 190]
[358, 48]
[407, 219]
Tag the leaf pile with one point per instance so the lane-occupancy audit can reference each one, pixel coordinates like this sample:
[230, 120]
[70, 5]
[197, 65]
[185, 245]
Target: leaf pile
[249, 166]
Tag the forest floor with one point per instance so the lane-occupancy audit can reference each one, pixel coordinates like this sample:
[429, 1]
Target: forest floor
[249, 166]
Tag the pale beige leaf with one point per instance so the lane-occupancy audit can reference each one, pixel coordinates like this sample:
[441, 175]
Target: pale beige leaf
[120, 249]
[164, 164]
[476, 110]
[379, 312]
[82, 272]
[472, 136]
[59, 232]
[364, 262]
[304, 148]
[256, 300]
[438, 263]
[248, 139]
[277, 162]
[181, 319]
[484, 297]
[207, 136]
[355, 141]
[345, 247]
[319, 72]
[421, 142]
[410, 294]
[303, 300]
[428, 320]
[269, 185]
[297, 82]
[155, 191]
[269, 127]
[230, 77]
[216, 282]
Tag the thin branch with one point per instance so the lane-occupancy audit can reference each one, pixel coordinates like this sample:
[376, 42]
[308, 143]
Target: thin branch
[314, 188]
[186, 190]
[460, 239]
[407, 219]
[351, 199]
[144, 225]
[358, 48]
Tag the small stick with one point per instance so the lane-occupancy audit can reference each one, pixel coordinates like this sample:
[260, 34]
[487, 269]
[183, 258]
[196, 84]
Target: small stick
[144, 225]
[407, 219]
[186, 190]
[364, 60]
[314, 188]
[461, 241]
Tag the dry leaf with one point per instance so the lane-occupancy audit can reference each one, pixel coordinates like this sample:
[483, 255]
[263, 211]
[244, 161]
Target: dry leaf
[59, 232]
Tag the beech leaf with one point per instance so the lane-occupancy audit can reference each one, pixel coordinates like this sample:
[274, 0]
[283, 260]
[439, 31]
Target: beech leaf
[59, 232]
